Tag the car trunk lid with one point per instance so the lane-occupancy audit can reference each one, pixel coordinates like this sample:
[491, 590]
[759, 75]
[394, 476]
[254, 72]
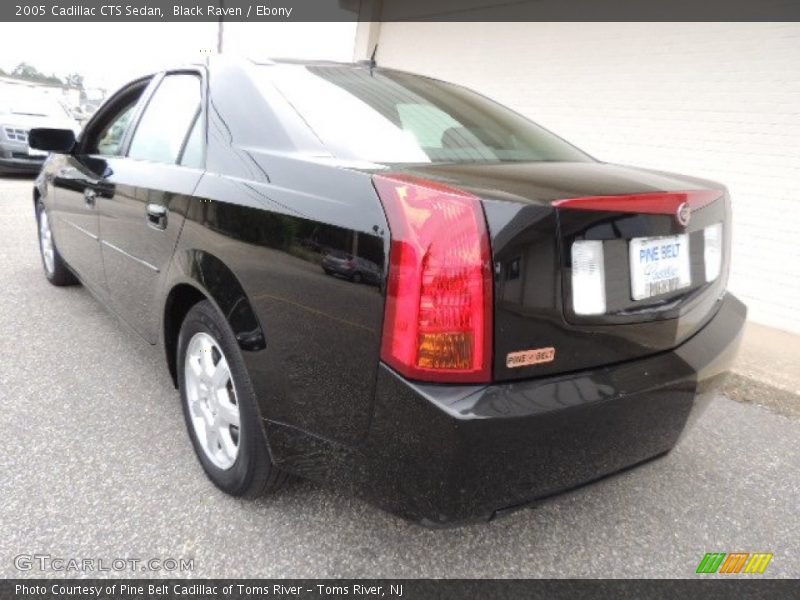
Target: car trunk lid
[536, 212]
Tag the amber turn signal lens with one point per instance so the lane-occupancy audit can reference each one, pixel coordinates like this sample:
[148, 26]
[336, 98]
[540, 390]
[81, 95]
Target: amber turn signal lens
[445, 350]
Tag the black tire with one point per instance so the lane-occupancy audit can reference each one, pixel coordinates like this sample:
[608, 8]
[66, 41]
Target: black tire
[252, 473]
[60, 275]
[356, 278]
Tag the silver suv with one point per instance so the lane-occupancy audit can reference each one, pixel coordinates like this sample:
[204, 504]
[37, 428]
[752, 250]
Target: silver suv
[23, 107]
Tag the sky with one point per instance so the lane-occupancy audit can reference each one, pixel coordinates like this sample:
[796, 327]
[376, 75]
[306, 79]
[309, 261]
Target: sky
[110, 54]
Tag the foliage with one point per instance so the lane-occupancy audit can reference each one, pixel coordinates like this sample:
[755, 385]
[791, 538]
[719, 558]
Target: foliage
[30, 73]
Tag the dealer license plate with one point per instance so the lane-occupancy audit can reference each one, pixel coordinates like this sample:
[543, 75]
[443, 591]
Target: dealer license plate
[659, 265]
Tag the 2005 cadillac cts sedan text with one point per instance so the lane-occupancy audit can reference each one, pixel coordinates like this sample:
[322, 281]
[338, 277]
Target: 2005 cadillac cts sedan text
[533, 319]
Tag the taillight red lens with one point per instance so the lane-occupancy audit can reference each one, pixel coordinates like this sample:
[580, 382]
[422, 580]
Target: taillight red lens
[438, 322]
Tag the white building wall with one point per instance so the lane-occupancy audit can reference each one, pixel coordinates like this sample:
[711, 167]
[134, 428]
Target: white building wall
[716, 100]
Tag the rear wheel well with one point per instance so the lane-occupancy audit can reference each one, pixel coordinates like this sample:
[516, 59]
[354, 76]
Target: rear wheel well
[180, 300]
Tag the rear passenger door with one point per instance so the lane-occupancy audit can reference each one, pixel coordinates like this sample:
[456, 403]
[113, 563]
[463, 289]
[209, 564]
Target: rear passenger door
[153, 182]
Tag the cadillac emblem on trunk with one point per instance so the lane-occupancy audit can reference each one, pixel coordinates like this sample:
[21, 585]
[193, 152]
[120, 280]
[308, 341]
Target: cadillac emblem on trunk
[683, 214]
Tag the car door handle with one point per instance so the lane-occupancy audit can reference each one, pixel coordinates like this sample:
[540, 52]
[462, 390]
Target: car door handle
[90, 196]
[157, 215]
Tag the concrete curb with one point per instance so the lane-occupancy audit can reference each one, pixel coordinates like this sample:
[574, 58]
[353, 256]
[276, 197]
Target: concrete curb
[752, 391]
[767, 370]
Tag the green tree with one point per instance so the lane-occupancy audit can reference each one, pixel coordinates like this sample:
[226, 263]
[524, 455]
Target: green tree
[25, 71]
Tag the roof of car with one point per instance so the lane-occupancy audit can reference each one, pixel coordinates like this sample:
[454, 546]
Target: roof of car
[222, 61]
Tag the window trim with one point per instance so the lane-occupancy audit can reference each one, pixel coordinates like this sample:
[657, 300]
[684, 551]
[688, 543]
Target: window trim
[201, 113]
[109, 111]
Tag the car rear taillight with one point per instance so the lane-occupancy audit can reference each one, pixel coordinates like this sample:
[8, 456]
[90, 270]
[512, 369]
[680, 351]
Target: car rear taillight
[438, 321]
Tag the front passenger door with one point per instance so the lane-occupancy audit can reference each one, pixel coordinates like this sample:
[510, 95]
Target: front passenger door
[140, 224]
[77, 185]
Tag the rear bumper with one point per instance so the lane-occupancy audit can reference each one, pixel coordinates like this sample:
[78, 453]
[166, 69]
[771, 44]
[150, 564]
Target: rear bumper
[443, 454]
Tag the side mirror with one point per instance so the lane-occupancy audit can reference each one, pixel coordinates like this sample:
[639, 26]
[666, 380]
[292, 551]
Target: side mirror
[60, 141]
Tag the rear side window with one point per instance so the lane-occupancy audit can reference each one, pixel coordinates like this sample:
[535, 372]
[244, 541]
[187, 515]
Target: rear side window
[166, 121]
[192, 155]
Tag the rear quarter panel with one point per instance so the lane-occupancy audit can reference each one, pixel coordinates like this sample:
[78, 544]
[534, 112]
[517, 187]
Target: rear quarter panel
[317, 367]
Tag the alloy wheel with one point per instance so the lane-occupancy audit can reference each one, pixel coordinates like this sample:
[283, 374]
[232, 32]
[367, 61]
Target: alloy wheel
[46, 242]
[213, 404]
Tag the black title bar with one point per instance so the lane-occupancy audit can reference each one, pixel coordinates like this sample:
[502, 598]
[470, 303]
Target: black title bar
[405, 589]
[399, 10]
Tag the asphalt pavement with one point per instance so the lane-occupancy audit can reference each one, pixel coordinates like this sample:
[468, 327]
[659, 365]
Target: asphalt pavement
[96, 464]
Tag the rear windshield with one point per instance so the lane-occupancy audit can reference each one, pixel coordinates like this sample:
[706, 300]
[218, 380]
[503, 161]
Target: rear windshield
[392, 117]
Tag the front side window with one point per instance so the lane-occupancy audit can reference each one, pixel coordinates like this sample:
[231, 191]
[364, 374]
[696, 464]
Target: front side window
[106, 132]
[163, 128]
[392, 117]
[109, 141]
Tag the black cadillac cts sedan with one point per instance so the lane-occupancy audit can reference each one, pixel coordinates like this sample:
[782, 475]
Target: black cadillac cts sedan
[526, 318]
